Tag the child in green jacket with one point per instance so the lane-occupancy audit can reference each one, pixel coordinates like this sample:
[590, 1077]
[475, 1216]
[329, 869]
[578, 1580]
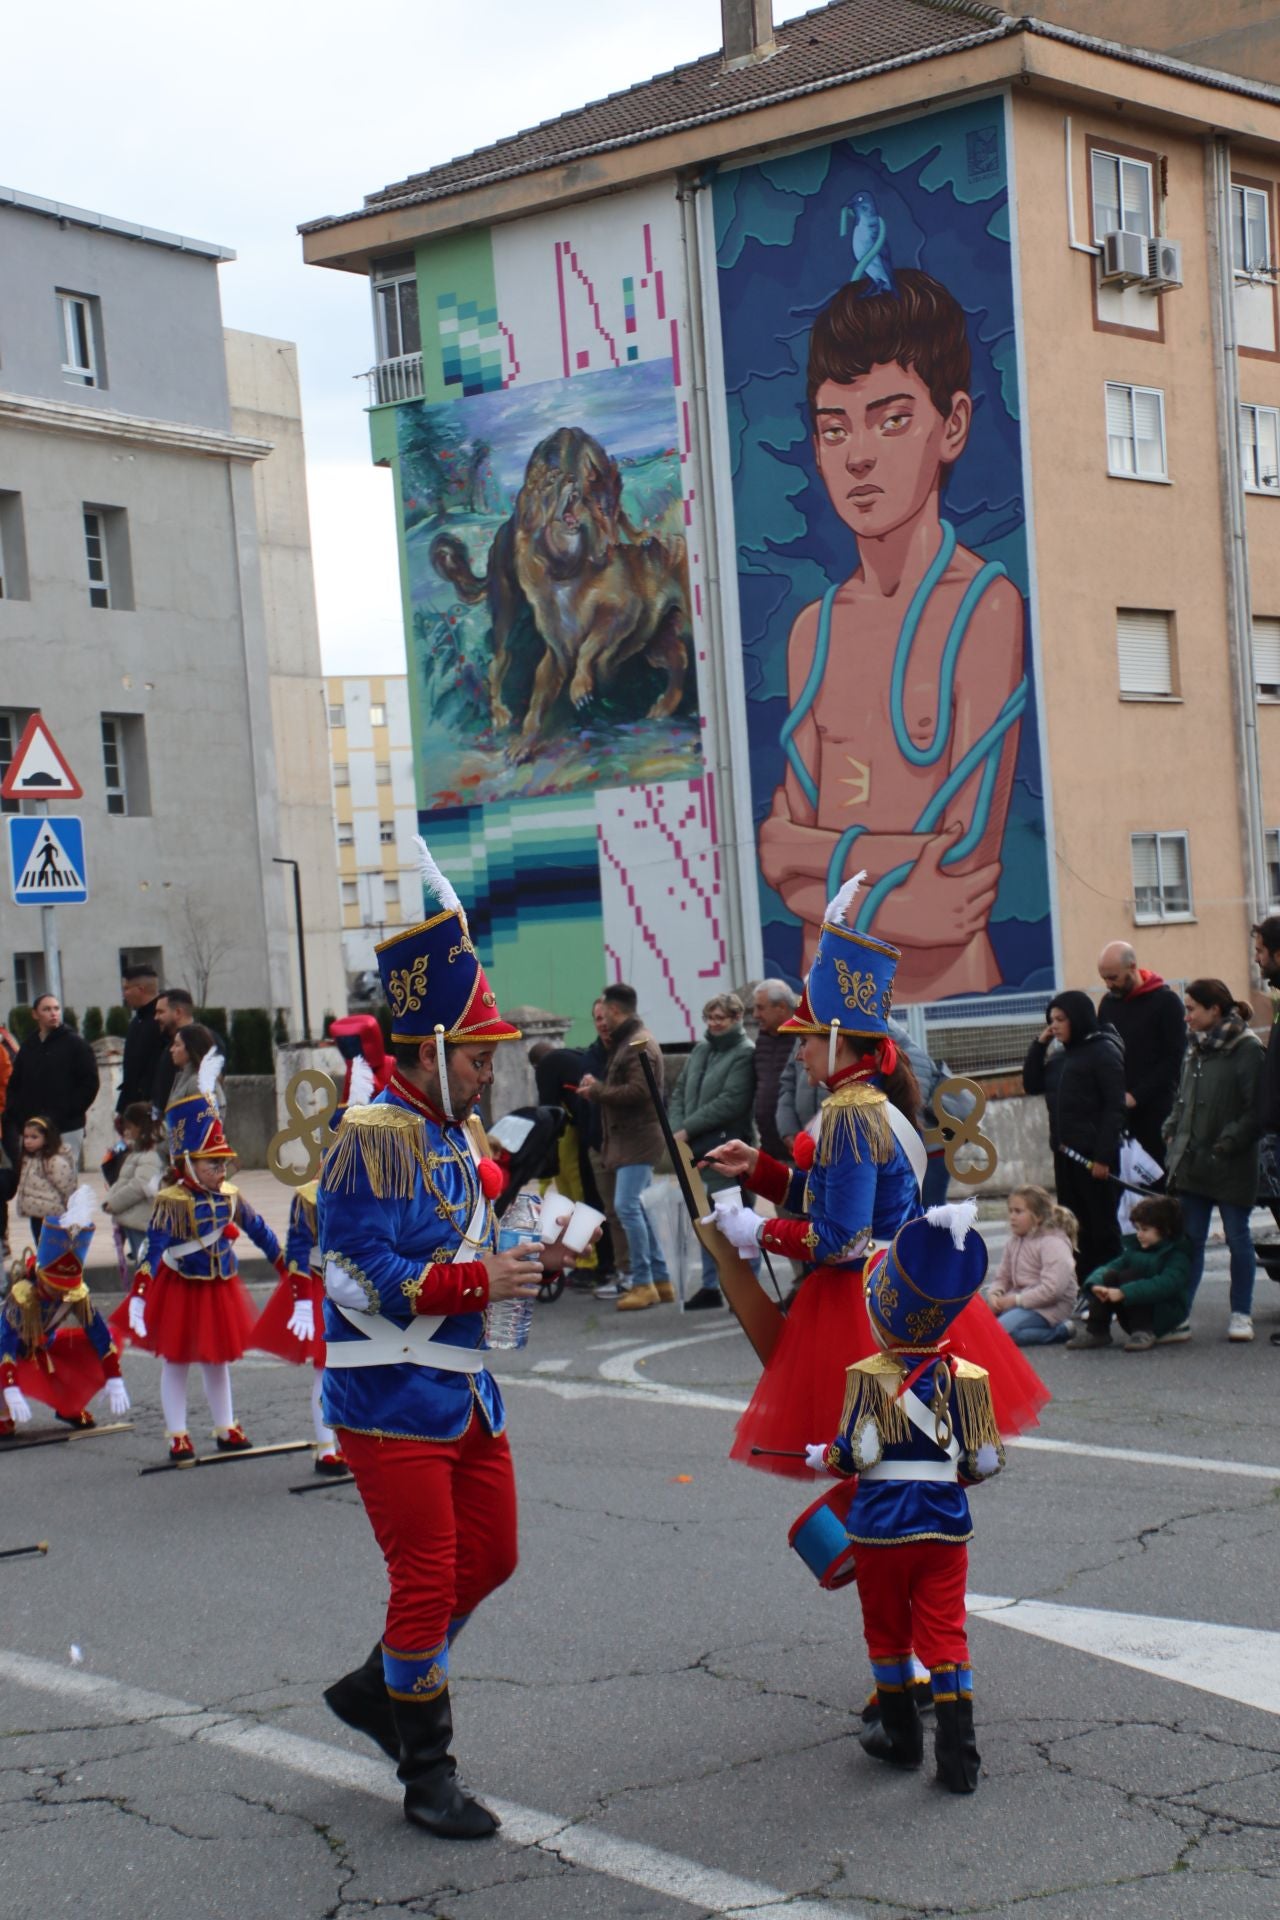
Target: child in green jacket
[1146, 1288]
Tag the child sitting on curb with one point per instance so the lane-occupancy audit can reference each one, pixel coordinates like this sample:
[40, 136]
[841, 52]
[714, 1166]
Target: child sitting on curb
[1146, 1288]
[1035, 1286]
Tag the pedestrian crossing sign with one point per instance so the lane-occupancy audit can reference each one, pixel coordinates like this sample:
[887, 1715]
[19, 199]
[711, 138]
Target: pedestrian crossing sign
[46, 861]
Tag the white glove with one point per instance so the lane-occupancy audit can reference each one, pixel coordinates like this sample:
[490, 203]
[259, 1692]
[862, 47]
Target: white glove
[739, 1225]
[16, 1401]
[816, 1458]
[302, 1321]
[137, 1317]
[117, 1397]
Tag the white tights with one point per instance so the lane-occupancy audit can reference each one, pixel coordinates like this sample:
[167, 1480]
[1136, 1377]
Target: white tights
[173, 1394]
[324, 1435]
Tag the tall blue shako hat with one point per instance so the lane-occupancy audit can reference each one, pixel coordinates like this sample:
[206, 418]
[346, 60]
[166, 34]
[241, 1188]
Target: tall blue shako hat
[850, 985]
[64, 1243]
[927, 1278]
[433, 980]
[192, 1123]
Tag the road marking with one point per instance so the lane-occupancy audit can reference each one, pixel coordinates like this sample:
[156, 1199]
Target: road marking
[706, 1888]
[608, 1346]
[623, 1366]
[551, 1366]
[1136, 1457]
[1236, 1663]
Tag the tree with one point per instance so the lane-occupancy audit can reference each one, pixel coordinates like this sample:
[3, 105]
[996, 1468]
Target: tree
[204, 944]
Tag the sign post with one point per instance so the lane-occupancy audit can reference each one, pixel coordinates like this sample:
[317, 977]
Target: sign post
[39, 772]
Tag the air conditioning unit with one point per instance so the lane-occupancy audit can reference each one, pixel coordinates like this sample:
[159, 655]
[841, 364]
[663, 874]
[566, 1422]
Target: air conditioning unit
[1124, 258]
[1164, 268]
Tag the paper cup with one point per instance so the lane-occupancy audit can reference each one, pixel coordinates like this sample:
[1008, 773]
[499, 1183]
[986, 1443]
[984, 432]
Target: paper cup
[584, 1221]
[557, 1211]
[730, 1197]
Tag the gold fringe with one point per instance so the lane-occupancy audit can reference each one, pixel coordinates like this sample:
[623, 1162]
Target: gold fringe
[871, 1393]
[23, 1312]
[977, 1415]
[854, 1117]
[386, 1142]
[305, 1201]
[174, 1212]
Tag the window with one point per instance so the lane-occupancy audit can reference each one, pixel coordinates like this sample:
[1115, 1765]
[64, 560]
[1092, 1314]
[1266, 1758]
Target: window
[106, 548]
[113, 765]
[346, 833]
[152, 957]
[1271, 850]
[382, 773]
[1266, 656]
[341, 774]
[95, 546]
[10, 734]
[1144, 643]
[399, 331]
[391, 894]
[28, 977]
[80, 319]
[1260, 449]
[13, 548]
[350, 894]
[1161, 877]
[1250, 230]
[387, 832]
[1135, 432]
[377, 714]
[1123, 200]
[337, 716]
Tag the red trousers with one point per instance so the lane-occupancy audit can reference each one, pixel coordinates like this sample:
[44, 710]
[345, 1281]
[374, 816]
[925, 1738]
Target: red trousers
[913, 1598]
[444, 1514]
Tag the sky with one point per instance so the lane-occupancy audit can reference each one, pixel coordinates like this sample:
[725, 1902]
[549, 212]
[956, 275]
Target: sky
[235, 123]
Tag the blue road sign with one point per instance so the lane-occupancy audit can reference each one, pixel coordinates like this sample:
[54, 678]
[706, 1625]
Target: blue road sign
[46, 861]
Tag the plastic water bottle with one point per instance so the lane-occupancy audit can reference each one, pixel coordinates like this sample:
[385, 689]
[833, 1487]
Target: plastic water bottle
[507, 1322]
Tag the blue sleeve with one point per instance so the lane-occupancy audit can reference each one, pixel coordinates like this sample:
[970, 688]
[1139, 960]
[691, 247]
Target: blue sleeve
[257, 1229]
[158, 1238]
[359, 1232]
[796, 1183]
[10, 1344]
[842, 1199]
[299, 1240]
[100, 1335]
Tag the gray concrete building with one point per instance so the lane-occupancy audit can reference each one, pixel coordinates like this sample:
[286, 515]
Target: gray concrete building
[156, 606]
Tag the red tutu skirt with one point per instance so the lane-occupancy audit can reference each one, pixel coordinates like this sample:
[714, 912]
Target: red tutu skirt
[272, 1335]
[190, 1320]
[75, 1377]
[800, 1397]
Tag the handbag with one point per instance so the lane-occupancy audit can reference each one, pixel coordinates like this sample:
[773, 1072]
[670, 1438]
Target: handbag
[704, 1143]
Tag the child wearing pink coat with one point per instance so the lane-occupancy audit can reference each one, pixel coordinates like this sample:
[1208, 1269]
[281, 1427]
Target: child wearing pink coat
[1035, 1286]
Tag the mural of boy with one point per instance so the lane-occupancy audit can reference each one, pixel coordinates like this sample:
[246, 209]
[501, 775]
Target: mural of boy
[905, 681]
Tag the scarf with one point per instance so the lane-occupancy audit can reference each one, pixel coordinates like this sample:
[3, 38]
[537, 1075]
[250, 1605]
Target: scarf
[1219, 1037]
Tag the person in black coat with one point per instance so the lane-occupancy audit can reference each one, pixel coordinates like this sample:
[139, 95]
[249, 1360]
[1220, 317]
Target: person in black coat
[55, 1077]
[1087, 1115]
[144, 1042]
[1150, 1019]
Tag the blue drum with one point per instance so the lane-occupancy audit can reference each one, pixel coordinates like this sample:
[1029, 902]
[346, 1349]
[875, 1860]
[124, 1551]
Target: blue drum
[821, 1537]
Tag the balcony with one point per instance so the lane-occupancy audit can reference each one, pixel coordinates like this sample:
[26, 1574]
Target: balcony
[392, 381]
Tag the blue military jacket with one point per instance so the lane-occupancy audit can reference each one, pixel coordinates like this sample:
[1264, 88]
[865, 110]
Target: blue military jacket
[183, 1214]
[402, 1220]
[913, 1472]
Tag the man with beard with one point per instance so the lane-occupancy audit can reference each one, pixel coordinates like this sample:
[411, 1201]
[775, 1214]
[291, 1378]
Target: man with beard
[1149, 1017]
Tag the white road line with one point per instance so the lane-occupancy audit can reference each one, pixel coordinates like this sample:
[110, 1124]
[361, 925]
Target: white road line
[1236, 1663]
[706, 1888]
[623, 1366]
[1136, 1457]
[609, 1346]
[551, 1366]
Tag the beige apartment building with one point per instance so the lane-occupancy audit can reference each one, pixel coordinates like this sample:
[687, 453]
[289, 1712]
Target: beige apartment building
[1104, 218]
[371, 767]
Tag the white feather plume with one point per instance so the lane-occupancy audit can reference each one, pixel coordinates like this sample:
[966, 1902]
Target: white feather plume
[360, 1091]
[80, 1210]
[437, 883]
[839, 907]
[958, 1217]
[208, 1074]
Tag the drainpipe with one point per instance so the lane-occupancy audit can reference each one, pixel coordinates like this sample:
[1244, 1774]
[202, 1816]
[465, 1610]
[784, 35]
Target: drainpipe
[1235, 534]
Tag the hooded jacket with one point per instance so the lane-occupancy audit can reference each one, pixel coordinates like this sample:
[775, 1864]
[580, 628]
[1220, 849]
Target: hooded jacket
[1213, 1129]
[1153, 1027]
[1086, 1109]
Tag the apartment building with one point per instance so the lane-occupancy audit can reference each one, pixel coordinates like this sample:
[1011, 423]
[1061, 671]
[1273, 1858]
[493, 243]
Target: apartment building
[375, 816]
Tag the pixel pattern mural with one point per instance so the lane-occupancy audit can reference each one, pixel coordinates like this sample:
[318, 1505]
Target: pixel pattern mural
[867, 321]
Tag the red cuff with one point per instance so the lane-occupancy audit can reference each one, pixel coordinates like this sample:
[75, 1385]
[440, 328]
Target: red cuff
[460, 1286]
[111, 1364]
[8, 1375]
[770, 1179]
[794, 1239]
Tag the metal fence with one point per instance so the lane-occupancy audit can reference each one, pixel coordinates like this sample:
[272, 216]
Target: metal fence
[985, 1034]
[394, 380]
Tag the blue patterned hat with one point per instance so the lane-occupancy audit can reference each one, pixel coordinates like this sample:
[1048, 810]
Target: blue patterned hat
[927, 1278]
[432, 977]
[850, 984]
[64, 1243]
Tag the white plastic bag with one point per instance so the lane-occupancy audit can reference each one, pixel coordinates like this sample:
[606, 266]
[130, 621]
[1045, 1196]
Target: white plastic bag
[681, 1248]
[1137, 1167]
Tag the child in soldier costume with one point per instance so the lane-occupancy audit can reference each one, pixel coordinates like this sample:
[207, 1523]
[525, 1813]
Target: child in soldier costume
[54, 1344]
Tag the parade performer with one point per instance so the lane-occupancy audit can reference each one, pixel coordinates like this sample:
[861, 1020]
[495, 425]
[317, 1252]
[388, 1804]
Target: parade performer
[408, 1244]
[917, 1428]
[292, 1323]
[54, 1344]
[188, 1303]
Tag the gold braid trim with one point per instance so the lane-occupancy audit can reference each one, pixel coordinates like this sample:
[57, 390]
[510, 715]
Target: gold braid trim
[854, 1117]
[23, 1312]
[871, 1393]
[977, 1415]
[305, 1201]
[174, 1213]
[386, 1142]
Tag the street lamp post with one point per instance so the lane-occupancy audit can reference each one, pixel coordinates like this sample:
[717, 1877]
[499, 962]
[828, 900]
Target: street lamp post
[281, 861]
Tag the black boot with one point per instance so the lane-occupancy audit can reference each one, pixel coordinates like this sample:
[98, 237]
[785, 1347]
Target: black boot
[360, 1700]
[433, 1797]
[897, 1735]
[954, 1746]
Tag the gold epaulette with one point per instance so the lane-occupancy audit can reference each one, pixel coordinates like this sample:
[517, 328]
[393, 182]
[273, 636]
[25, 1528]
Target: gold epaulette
[973, 1403]
[174, 1212]
[386, 1142]
[479, 1138]
[304, 1200]
[871, 1393]
[22, 1310]
[854, 1117]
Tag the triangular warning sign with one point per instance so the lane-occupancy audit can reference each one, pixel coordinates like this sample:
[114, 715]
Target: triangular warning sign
[49, 868]
[38, 770]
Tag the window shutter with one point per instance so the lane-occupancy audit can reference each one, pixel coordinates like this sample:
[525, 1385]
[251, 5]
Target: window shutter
[1267, 436]
[1266, 652]
[1148, 420]
[1175, 886]
[1136, 184]
[1144, 641]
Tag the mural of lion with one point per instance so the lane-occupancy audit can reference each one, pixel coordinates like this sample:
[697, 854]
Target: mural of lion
[600, 594]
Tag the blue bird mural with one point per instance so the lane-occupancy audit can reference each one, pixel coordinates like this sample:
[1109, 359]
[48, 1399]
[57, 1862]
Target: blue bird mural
[871, 261]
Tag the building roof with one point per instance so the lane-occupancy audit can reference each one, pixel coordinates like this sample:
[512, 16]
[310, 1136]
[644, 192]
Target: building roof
[842, 41]
[107, 223]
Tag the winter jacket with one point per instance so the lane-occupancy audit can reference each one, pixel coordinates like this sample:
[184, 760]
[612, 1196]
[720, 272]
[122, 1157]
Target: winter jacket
[1213, 1129]
[798, 1101]
[55, 1077]
[1040, 1270]
[631, 1134]
[166, 1074]
[1156, 1277]
[7, 1058]
[1086, 1110]
[186, 1080]
[595, 1061]
[144, 1042]
[1269, 1087]
[773, 1052]
[1152, 1025]
[130, 1200]
[715, 1094]
[46, 1183]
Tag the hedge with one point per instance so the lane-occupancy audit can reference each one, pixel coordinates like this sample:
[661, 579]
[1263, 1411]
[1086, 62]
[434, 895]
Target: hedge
[93, 1028]
[250, 1037]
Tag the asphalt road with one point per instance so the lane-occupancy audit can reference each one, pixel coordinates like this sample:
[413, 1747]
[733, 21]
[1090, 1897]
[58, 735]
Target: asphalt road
[662, 1702]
